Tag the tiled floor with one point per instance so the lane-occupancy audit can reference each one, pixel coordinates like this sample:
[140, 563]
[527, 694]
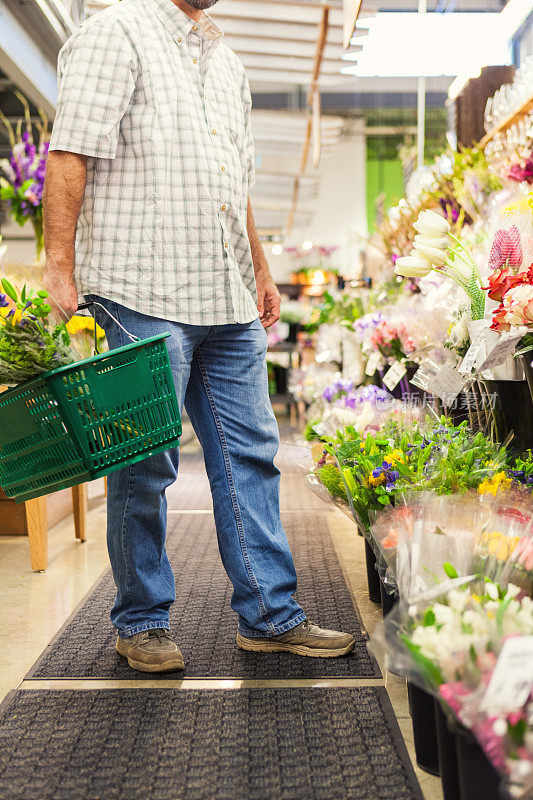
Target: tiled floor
[33, 606]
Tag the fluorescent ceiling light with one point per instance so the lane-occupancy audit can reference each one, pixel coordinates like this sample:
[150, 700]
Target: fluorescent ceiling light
[409, 44]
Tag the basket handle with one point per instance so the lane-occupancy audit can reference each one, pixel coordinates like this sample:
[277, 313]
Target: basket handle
[86, 306]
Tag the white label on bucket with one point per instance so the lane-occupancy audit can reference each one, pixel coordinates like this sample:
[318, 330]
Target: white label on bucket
[394, 375]
[512, 679]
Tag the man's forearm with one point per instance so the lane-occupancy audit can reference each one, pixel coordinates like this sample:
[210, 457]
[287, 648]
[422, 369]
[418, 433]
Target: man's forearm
[64, 188]
[258, 254]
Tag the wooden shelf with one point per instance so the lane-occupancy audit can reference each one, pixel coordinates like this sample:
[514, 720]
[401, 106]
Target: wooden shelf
[508, 121]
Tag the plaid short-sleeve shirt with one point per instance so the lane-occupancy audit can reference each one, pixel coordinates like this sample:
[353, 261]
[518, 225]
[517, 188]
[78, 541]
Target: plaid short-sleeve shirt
[161, 107]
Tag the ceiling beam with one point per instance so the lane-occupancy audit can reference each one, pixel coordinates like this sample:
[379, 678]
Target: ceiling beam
[25, 64]
[284, 47]
[297, 78]
[306, 13]
[288, 63]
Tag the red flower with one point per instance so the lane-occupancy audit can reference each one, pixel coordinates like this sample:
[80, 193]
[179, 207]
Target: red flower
[502, 280]
[499, 283]
[506, 249]
[498, 320]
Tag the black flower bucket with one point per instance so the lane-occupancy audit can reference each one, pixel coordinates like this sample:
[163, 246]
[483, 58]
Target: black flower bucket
[447, 751]
[372, 575]
[422, 709]
[477, 776]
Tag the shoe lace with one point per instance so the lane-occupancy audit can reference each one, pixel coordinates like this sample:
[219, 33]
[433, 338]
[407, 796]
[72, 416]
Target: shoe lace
[158, 633]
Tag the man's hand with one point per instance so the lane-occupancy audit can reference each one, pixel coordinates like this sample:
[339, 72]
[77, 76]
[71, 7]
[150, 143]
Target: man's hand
[59, 283]
[268, 300]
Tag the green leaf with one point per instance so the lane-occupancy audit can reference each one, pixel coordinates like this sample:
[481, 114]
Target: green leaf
[429, 618]
[384, 500]
[450, 570]
[9, 289]
[23, 294]
[42, 293]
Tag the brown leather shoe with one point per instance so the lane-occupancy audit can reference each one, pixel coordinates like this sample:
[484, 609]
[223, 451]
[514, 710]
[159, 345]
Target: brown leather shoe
[304, 640]
[151, 651]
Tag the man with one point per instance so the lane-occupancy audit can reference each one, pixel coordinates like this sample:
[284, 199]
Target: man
[151, 161]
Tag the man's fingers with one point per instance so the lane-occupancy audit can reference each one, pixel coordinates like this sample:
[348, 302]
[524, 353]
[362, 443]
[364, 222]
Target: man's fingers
[272, 311]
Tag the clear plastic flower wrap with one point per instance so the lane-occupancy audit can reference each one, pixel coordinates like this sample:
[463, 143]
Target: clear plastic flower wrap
[33, 339]
[464, 629]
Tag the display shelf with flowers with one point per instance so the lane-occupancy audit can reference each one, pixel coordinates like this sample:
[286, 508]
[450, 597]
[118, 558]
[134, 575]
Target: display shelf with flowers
[22, 183]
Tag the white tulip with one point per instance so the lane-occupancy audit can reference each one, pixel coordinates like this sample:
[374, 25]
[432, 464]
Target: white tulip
[434, 255]
[412, 266]
[431, 241]
[431, 224]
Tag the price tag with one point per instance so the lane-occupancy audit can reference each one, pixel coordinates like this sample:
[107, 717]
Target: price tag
[373, 363]
[394, 375]
[500, 351]
[472, 355]
[512, 680]
[447, 384]
[424, 375]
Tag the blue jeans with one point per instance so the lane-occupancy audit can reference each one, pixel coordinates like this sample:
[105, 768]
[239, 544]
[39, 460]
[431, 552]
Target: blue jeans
[220, 375]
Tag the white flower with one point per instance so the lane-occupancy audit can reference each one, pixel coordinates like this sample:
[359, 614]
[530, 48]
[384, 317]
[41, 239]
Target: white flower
[492, 591]
[457, 600]
[434, 255]
[412, 266]
[431, 224]
[499, 727]
[6, 167]
[431, 241]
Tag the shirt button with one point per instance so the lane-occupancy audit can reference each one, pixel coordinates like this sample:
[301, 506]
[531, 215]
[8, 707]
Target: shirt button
[226, 245]
[195, 61]
[222, 168]
[195, 27]
[222, 208]
[214, 132]
[179, 40]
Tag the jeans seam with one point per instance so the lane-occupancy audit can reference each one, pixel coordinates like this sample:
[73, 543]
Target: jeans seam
[130, 492]
[287, 626]
[231, 485]
[145, 626]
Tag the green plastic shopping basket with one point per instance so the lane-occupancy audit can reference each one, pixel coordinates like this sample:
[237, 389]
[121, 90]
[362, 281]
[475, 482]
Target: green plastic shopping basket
[87, 419]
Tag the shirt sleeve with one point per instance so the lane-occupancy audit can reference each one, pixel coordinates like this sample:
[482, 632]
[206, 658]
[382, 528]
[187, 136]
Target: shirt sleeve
[249, 141]
[96, 77]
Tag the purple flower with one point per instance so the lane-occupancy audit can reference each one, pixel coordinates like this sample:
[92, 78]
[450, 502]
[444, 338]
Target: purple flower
[3, 301]
[328, 394]
[10, 313]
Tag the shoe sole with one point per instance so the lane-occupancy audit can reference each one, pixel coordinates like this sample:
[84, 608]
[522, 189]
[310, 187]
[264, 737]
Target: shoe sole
[173, 665]
[296, 649]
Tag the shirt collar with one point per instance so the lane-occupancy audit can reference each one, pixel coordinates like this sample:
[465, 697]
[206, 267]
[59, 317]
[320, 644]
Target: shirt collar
[178, 23]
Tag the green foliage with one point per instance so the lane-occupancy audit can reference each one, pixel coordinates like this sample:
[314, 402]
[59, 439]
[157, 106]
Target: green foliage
[344, 310]
[331, 479]
[29, 343]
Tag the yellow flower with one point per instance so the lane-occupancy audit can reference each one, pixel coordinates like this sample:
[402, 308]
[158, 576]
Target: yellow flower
[493, 485]
[498, 544]
[522, 206]
[79, 323]
[396, 455]
[372, 481]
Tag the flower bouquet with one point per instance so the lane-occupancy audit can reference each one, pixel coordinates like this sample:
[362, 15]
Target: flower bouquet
[436, 248]
[23, 181]
[30, 343]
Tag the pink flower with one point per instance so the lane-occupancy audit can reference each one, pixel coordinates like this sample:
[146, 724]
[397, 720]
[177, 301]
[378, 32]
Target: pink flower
[518, 303]
[506, 249]
[454, 695]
